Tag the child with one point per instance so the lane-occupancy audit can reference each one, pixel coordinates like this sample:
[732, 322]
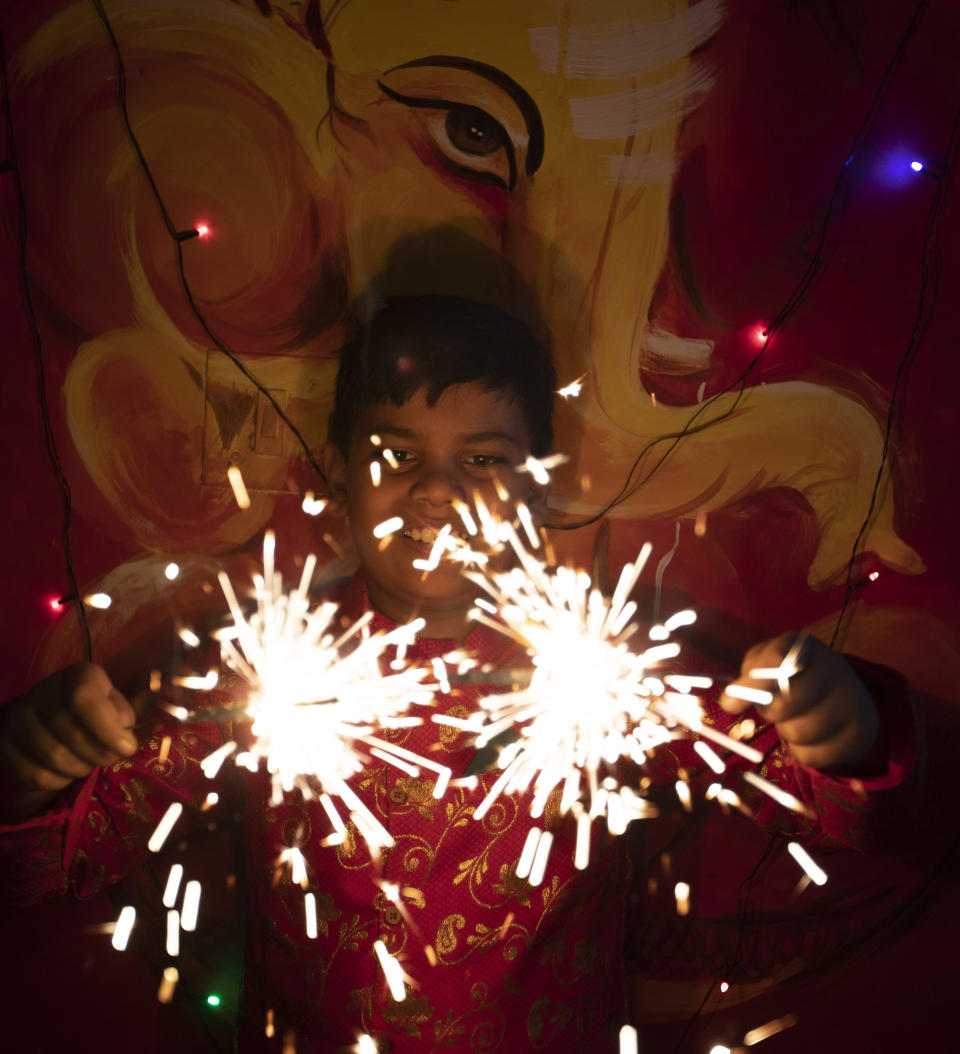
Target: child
[460, 394]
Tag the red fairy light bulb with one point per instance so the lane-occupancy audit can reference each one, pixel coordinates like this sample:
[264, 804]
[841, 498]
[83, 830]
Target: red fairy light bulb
[203, 230]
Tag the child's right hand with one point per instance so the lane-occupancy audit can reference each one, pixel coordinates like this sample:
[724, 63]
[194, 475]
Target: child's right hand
[58, 732]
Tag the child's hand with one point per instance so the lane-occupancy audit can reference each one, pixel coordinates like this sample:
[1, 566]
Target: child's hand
[61, 729]
[826, 716]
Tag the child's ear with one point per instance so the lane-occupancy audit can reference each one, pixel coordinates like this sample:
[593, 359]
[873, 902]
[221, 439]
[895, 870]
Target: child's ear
[335, 469]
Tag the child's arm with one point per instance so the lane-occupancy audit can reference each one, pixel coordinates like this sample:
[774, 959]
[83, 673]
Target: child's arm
[60, 731]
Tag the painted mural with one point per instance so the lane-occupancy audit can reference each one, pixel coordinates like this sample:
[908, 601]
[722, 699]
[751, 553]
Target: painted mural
[711, 239]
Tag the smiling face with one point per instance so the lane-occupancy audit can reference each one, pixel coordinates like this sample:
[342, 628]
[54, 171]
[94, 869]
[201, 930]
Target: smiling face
[468, 443]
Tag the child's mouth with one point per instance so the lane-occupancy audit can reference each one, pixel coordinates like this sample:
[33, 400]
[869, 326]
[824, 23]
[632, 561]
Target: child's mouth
[427, 536]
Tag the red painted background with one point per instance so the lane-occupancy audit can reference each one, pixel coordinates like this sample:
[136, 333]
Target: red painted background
[759, 162]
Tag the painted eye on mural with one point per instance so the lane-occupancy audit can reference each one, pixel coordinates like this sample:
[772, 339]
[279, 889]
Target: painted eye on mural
[479, 124]
[465, 139]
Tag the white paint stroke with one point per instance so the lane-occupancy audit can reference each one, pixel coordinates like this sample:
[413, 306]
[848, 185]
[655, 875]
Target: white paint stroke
[627, 48]
[665, 352]
[642, 170]
[616, 115]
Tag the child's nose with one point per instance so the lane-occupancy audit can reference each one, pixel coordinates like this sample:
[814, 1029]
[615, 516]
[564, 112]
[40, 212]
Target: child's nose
[438, 486]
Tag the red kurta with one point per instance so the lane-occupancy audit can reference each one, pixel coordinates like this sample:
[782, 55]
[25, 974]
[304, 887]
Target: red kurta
[496, 964]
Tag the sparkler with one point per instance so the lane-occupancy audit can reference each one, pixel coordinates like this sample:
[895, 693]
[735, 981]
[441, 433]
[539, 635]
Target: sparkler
[592, 701]
[316, 695]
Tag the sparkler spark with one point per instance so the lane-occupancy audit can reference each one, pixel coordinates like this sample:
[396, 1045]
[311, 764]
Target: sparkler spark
[757, 696]
[121, 933]
[173, 933]
[628, 1040]
[771, 1028]
[235, 479]
[172, 887]
[391, 971]
[803, 858]
[191, 906]
[539, 467]
[313, 506]
[164, 827]
[573, 389]
[167, 985]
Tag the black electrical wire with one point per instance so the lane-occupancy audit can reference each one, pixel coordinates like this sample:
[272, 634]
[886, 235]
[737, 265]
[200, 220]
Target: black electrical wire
[931, 229]
[792, 302]
[180, 236]
[49, 438]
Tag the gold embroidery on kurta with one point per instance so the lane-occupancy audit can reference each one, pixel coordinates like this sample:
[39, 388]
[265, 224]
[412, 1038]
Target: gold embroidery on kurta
[445, 942]
[486, 1035]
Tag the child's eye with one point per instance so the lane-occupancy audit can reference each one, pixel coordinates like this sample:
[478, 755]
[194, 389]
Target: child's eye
[395, 458]
[484, 460]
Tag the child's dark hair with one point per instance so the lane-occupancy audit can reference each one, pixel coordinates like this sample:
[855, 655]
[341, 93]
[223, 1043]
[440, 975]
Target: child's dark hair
[435, 342]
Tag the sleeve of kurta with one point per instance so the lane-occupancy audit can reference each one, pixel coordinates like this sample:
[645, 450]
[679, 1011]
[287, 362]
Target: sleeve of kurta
[98, 828]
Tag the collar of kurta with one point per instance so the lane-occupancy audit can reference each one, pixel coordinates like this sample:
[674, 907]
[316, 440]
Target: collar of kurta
[486, 645]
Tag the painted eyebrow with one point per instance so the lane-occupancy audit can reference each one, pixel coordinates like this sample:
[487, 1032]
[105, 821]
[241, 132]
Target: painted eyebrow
[529, 110]
[470, 437]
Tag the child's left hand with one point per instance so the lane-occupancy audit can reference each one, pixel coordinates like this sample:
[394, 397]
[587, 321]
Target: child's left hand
[826, 716]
